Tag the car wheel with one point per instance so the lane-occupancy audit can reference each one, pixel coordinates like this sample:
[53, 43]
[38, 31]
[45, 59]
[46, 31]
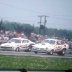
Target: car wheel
[51, 52]
[62, 52]
[29, 50]
[35, 52]
[26, 50]
[17, 50]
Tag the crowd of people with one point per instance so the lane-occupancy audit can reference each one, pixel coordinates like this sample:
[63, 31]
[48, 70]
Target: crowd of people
[37, 37]
[6, 35]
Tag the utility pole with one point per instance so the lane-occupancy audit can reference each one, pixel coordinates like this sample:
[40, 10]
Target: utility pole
[44, 22]
[40, 23]
[33, 27]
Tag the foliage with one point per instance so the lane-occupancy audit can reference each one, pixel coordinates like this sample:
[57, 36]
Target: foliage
[27, 29]
[1, 25]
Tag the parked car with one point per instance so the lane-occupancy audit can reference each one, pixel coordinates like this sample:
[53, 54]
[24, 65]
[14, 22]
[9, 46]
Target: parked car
[51, 46]
[17, 44]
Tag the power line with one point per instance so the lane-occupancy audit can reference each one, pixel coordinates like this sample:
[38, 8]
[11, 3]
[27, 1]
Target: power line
[17, 8]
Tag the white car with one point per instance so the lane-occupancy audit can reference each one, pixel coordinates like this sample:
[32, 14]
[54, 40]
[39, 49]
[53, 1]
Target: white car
[17, 44]
[50, 46]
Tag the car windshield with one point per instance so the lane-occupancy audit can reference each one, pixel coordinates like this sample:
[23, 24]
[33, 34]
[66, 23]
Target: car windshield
[49, 41]
[14, 40]
[25, 41]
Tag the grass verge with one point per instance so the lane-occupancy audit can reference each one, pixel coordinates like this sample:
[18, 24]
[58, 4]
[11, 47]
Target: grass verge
[15, 62]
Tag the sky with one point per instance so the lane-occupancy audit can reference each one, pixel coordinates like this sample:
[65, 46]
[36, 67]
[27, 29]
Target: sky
[59, 12]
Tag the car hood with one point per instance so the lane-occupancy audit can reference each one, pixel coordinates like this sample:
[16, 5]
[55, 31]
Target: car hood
[8, 44]
[42, 45]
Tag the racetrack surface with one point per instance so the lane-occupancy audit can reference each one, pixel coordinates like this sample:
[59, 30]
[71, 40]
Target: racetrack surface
[33, 54]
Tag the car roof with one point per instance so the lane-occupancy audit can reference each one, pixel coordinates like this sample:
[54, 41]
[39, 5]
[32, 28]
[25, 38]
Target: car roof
[53, 39]
[20, 38]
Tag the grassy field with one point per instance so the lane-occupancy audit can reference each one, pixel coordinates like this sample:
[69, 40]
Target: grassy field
[34, 62]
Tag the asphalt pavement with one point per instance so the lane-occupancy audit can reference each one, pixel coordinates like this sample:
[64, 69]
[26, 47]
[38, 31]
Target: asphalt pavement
[67, 55]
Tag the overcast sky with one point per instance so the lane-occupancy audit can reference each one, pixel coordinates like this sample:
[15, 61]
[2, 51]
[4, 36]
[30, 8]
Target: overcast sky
[27, 11]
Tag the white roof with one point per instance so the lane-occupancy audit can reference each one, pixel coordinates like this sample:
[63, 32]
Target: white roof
[53, 39]
[20, 38]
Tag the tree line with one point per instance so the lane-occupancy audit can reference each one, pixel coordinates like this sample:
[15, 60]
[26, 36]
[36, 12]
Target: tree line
[28, 29]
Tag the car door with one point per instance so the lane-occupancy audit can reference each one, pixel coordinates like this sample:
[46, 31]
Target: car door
[59, 46]
[25, 43]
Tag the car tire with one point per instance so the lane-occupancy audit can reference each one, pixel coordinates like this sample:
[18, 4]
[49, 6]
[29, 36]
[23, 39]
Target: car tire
[17, 50]
[35, 52]
[51, 52]
[62, 52]
[26, 50]
[29, 50]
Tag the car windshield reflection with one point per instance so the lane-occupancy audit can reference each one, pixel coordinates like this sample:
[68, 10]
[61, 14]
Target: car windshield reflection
[49, 41]
[14, 40]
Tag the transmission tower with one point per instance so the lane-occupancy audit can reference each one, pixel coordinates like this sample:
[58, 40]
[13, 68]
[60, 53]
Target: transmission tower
[44, 23]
